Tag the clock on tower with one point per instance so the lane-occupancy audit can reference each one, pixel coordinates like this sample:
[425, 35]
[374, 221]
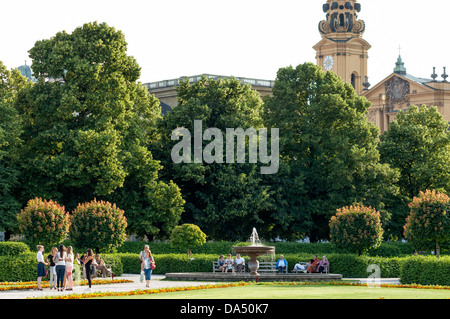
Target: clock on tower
[328, 62]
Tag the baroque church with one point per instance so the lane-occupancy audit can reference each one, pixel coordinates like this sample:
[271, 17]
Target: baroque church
[344, 51]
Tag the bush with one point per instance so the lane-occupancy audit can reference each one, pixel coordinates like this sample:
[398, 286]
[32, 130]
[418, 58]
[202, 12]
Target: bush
[98, 225]
[18, 268]
[428, 224]
[356, 228]
[426, 270]
[187, 236]
[12, 248]
[43, 222]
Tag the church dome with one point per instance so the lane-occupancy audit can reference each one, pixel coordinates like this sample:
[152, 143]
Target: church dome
[25, 70]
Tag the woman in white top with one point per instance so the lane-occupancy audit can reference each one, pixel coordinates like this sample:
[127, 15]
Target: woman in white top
[69, 267]
[41, 265]
[60, 262]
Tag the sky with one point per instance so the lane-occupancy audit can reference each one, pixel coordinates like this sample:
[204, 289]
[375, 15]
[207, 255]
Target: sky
[242, 38]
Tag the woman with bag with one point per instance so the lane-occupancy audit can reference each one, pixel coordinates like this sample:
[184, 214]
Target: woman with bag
[149, 265]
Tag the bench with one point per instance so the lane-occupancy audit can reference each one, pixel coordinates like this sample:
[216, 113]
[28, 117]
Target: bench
[98, 273]
[264, 266]
[216, 266]
[305, 264]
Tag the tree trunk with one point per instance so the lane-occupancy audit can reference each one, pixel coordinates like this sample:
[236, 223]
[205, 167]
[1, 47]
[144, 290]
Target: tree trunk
[437, 249]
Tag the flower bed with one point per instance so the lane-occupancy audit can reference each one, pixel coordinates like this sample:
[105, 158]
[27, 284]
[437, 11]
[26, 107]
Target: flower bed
[5, 286]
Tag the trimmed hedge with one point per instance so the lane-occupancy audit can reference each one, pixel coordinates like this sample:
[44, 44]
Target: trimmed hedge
[387, 249]
[24, 266]
[13, 248]
[426, 270]
[18, 268]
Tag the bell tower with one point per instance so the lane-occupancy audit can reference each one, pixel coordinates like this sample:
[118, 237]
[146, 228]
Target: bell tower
[342, 49]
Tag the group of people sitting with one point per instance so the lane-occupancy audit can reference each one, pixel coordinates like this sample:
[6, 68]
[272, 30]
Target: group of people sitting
[234, 265]
[313, 266]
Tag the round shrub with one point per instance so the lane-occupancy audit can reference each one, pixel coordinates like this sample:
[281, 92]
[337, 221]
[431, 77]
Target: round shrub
[428, 224]
[12, 248]
[187, 236]
[98, 225]
[356, 228]
[43, 222]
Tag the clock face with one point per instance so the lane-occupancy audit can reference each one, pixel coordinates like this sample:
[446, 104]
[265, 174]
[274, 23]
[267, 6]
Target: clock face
[328, 62]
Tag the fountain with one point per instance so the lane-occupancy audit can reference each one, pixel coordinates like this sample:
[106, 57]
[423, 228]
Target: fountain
[253, 251]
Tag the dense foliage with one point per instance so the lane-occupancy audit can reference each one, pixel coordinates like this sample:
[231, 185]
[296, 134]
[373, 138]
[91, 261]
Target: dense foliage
[417, 144]
[328, 149]
[224, 199]
[11, 83]
[428, 224]
[43, 222]
[98, 225]
[356, 228]
[187, 236]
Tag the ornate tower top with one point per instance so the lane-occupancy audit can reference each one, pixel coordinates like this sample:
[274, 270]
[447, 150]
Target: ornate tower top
[341, 19]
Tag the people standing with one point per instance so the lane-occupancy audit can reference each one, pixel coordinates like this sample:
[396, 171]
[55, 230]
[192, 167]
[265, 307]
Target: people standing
[60, 262]
[142, 254]
[88, 259]
[41, 265]
[69, 268]
[148, 260]
[52, 270]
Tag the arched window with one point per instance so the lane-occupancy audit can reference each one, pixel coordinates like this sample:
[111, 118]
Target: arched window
[341, 20]
[353, 80]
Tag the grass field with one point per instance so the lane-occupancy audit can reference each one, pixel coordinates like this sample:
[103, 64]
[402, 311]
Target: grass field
[274, 291]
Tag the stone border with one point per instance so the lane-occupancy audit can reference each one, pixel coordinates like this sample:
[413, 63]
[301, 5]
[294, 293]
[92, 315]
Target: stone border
[203, 276]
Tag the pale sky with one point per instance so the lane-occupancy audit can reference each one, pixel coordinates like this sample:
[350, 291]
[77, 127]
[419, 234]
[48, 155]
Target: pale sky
[243, 38]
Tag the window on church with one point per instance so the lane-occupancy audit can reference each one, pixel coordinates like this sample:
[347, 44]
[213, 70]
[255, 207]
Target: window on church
[353, 80]
[341, 20]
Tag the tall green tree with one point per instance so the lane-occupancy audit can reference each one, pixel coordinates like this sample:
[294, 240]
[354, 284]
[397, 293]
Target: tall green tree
[88, 122]
[417, 144]
[226, 200]
[11, 82]
[328, 147]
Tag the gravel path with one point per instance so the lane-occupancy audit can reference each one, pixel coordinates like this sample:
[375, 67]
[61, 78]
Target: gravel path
[155, 283]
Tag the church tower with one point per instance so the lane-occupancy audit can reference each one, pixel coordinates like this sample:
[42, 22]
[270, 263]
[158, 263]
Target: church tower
[342, 49]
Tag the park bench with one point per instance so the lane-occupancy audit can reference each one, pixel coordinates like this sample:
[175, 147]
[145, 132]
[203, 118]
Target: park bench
[305, 264]
[98, 273]
[264, 266]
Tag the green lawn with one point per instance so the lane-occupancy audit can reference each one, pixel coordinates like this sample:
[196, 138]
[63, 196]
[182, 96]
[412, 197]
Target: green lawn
[301, 292]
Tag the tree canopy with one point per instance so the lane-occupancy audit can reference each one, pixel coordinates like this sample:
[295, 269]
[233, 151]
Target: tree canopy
[328, 148]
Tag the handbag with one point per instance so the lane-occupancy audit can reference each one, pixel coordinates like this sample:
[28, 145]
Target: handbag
[152, 265]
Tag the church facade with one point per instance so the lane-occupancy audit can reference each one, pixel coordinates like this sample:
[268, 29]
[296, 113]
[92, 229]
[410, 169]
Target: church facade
[344, 51]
